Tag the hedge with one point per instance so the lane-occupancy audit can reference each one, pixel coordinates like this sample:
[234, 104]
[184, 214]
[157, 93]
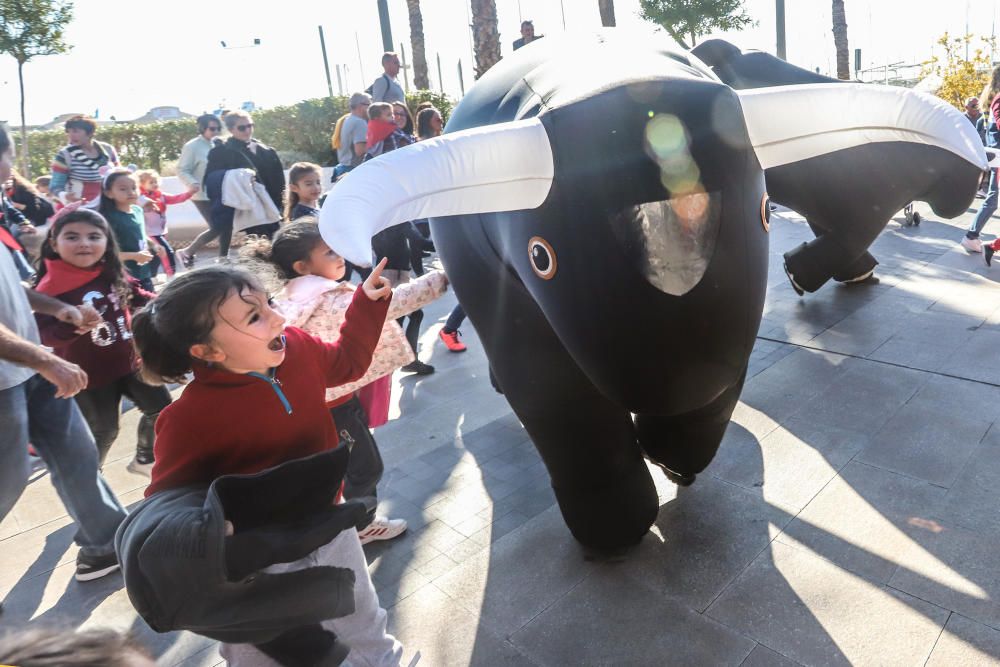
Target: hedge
[298, 132]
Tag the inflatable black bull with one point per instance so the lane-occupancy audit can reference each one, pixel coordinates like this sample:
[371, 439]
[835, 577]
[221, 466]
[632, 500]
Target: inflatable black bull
[599, 206]
[849, 214]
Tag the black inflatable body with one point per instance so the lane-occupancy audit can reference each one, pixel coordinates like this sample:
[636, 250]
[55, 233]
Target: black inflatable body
[614, 265]
[849, 214]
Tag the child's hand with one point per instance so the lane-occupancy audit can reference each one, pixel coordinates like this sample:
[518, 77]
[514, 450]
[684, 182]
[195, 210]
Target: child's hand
[91, 318]
[194, 187]
[375, 286]
[140, 258]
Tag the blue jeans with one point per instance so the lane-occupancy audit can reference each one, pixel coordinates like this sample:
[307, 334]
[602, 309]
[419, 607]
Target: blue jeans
[30, 412]
[986, 210]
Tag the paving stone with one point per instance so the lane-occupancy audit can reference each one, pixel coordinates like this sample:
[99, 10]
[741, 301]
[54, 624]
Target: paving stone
[957, 398]
[790, 464]
[866, 519]
[921, 355]
[865, 397]
[702, 541]
[761, 656]
[925, 444]
[497, 585]
[428, 621]
[972, 500]
[965, 642]
[977, 359]
[957, 569]
[616, 621]
[815, 613]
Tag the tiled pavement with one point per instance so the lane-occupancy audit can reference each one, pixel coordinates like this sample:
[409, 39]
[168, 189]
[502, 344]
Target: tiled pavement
[851, 515]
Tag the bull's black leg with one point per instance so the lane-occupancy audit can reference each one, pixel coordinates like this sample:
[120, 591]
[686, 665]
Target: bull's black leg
[685, 444]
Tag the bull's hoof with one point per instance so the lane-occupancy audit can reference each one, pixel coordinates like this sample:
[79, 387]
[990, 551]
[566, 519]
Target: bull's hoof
[678, 478]
[795, 285]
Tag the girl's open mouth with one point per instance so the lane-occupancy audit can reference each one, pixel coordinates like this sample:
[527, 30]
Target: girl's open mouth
[277, 344]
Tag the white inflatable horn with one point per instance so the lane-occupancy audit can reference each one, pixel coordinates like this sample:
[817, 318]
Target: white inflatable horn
[503, 167]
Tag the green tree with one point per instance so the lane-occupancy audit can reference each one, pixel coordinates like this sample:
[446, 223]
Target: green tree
[840, 40]
[30, 28]
[961, 78]
[692, 18]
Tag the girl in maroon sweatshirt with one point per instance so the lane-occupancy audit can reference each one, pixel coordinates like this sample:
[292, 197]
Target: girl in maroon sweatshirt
[80, 265]
[257, 400]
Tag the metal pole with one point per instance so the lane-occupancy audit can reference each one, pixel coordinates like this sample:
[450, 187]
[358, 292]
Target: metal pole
[440, 78]
[361, 63]
[340, 81]
[326, 62]
[779, 25]
[461, 77]
[383, 19]
[406, 76]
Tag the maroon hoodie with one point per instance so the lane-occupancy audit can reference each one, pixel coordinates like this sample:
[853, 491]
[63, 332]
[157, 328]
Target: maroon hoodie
[106, 352]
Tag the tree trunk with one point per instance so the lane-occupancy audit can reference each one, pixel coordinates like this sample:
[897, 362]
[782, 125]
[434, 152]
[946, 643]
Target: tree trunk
[25, 168]
[840, 40]
[607, 8]
[485, 35]
[417, 43]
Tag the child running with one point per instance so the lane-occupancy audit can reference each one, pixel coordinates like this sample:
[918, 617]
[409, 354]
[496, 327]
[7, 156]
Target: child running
[314, 300]
[119, 195]
[80, 265]
[257, 400]
[305, 186]
[154, 212]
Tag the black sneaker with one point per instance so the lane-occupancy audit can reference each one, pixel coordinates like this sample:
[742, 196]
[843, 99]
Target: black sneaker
[988, 254]
[89, 568]
[418, 367]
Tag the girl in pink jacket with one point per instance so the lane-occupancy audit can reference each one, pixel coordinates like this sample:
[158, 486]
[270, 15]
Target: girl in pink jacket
[313, 300]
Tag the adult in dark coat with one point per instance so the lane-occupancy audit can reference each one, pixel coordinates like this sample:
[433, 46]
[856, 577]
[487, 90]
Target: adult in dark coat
[242, 151]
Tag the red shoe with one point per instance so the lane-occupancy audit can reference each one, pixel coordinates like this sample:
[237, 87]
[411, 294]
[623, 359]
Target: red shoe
[451, 341]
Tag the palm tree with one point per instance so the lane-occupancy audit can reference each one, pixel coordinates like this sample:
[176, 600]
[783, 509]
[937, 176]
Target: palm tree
[485, 35]
[607, 8]
[417, 43]
[840, 40]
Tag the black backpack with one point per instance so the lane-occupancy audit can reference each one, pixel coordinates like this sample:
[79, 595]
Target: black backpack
[370, 89]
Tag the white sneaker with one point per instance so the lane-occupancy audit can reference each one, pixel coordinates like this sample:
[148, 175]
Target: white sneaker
[143, 469]
[972, 245]
[382, 529]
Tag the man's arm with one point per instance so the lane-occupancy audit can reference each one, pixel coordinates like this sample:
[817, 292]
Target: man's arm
[83, 318]
[68, 378]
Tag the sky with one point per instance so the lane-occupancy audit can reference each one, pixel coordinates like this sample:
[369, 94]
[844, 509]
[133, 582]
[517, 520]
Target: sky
[127, 60]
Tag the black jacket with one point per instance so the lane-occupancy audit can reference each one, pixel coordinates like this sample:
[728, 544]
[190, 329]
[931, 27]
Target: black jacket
[36, 209]
[182, 573]
[234, 154]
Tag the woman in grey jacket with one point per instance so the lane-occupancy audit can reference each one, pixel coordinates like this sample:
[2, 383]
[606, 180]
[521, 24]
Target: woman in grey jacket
[191, 171]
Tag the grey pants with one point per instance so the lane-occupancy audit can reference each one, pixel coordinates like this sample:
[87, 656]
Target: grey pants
[364, 630]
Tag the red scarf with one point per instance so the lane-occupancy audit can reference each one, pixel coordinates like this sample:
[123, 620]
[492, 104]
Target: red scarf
[378, 130]
[61, 277]
[8, 240]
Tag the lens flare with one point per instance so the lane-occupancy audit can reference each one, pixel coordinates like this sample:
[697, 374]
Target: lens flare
[667, 143]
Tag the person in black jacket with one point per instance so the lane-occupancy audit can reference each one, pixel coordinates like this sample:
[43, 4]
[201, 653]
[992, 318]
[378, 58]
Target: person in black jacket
[25, 198]
[242, 151]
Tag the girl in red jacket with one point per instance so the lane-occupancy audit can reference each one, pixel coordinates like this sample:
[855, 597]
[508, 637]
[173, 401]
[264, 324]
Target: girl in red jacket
[258, 399]
[80, 265]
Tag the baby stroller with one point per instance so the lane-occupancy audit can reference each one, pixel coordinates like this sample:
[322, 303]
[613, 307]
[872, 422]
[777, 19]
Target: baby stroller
[911, 218]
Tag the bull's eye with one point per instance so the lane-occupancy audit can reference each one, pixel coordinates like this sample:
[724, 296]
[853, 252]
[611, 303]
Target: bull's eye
[765, 212]
[542, 258]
